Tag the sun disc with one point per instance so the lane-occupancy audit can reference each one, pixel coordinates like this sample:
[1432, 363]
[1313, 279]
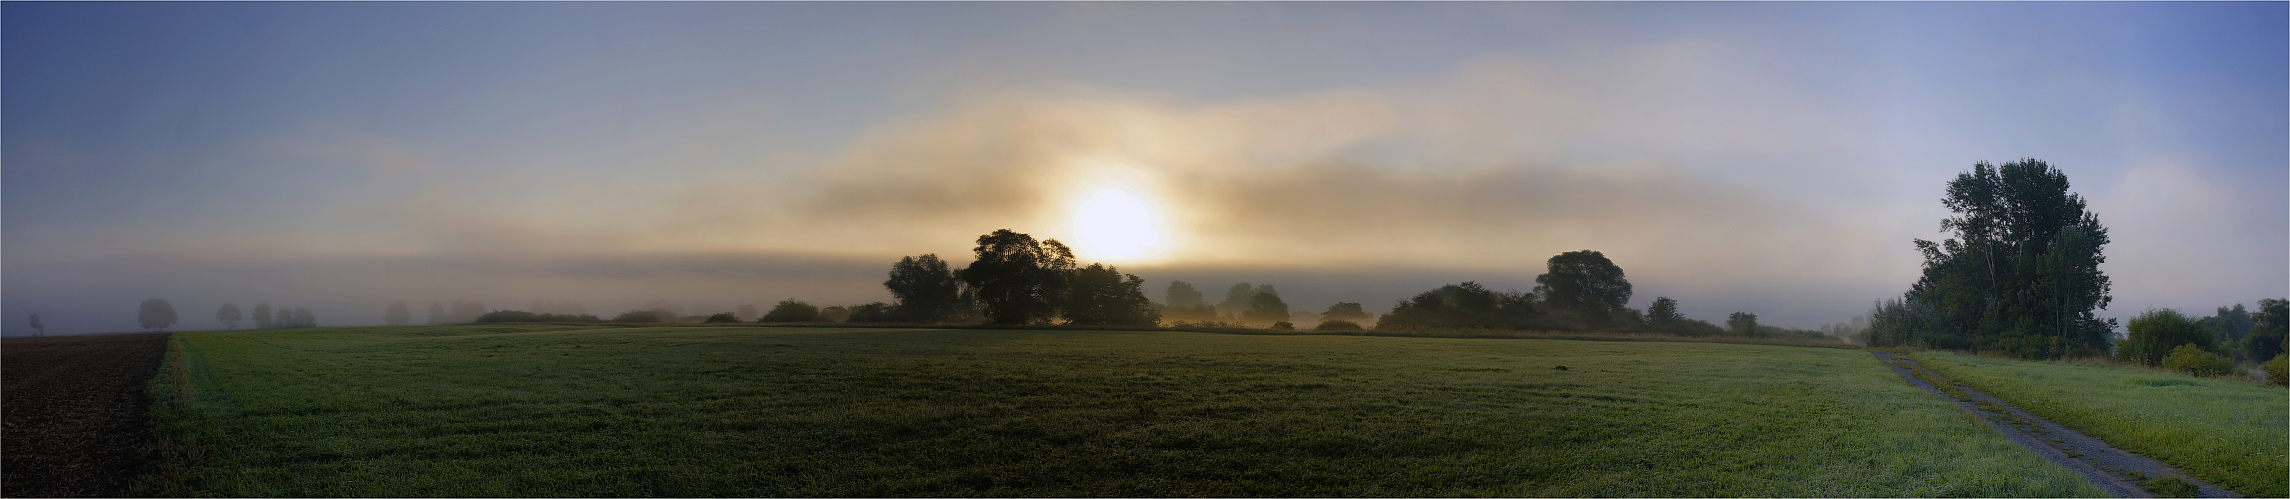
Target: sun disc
[1115, 224]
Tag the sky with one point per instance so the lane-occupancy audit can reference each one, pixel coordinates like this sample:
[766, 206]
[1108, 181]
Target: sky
[1773, 158]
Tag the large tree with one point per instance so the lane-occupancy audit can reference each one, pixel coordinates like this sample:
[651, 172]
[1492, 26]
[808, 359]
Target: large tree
[156, 314]
[1266, 306]
[2270, 330]
[228, 315]
[1017, 279]
[398, 314]
[1100, 294]
[1586, 285]
[923, 289]
[2020, 273]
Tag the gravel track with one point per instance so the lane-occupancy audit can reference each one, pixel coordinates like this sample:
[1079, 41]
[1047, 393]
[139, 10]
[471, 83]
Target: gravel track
[2117, 471]
[76, 422]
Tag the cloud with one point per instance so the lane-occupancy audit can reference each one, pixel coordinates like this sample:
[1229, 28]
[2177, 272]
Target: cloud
[2181, 240]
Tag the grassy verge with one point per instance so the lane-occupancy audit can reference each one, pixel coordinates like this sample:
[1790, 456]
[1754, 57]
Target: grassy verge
[2230, 433]
[553, 411]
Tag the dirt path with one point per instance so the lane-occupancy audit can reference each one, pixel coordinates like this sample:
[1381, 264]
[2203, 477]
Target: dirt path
[74, 413]
[2116, 471]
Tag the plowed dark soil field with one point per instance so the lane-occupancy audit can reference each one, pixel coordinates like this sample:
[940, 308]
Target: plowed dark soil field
[75, 412]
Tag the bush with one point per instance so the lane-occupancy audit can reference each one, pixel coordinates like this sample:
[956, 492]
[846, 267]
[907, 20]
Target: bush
[722, 318]
[870, 313]
[1337, 325]
[2191, 359]
[2154, 333]
[791, 311]
[637, 316]
[500, 316]
[2278, 370]
[1284, 325]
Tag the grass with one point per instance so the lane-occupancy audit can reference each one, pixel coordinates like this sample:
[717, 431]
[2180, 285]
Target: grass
[2231, 433]
[561, 410]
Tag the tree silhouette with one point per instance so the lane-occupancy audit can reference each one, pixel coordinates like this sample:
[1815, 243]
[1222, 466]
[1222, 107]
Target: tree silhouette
[262, 319]
[1345, 311]
[2020, 273]
[39, 328]
[1585, 284]
[1266, 306]
[1182, 295]
[228, 315]
[156, 314]
[1742, 323]
[1018, 280]
[1100, 294]
[923, 289]
[2269, 330]
[1236, 299]
[1664, 312]
[791, 310]
[397, 314]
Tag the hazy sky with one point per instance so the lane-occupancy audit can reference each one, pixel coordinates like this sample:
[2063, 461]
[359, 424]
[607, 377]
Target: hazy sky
[1775, 158]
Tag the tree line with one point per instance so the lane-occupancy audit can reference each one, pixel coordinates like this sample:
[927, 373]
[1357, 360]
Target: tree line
[2019, 275]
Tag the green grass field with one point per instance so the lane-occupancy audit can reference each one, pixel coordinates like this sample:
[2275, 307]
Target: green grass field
[2233, 434]
[746, 411]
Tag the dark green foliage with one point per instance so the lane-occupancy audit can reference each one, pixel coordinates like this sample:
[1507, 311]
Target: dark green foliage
[644, 316]
[1347, 312]
[2193, 360]
[1284, 326]
[1464, 305]
[1017, 280]
[2269, 330]
[923, 289]
[791, 310]
[1337, 325]
[2154, 333]
[1663, 312]
[1266, 306]
[501, 316]
[1584, 285]
[875, 312]
[726, 317]
[1742, 323]
[1100, 294]
[2020, 274]
[155, 314]
[2278, 370]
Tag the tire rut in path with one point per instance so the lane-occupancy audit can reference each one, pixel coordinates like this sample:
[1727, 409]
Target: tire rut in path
[2116, 471]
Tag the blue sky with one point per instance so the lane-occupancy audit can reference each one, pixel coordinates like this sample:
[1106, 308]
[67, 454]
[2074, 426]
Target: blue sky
[1770, 157]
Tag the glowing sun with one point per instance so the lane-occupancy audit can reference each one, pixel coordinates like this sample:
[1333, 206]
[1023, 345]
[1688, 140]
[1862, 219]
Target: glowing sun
[1115, 224]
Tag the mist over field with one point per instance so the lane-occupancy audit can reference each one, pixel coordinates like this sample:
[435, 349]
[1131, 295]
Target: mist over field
[1772, 159]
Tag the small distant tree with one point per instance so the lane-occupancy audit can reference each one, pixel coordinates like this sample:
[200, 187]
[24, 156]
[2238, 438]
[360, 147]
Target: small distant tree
[1181, 294]
[642, 316]
[791, 310]
[1585, 284]
[726, 317]
[1266, 306]
[262, 319]
[1348, 312]
[745, 313]
[2155, 333]
[1742, 323]
[156, 314]
[1099, 294]
[1236, 299]
[2269, 330]
[1664, 312]
[1336, 325]
[398, 314]
[228, 315]
[871, 313]
[38, 328]
[834, 314]
[1016, 279]
[923, 289]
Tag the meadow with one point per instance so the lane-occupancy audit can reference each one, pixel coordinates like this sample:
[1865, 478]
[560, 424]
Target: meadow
[753, 411]
[2232, 433]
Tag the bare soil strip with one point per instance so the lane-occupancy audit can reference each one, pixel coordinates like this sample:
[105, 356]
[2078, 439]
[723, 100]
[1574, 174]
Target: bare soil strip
[2117, 471]
[76, 422]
